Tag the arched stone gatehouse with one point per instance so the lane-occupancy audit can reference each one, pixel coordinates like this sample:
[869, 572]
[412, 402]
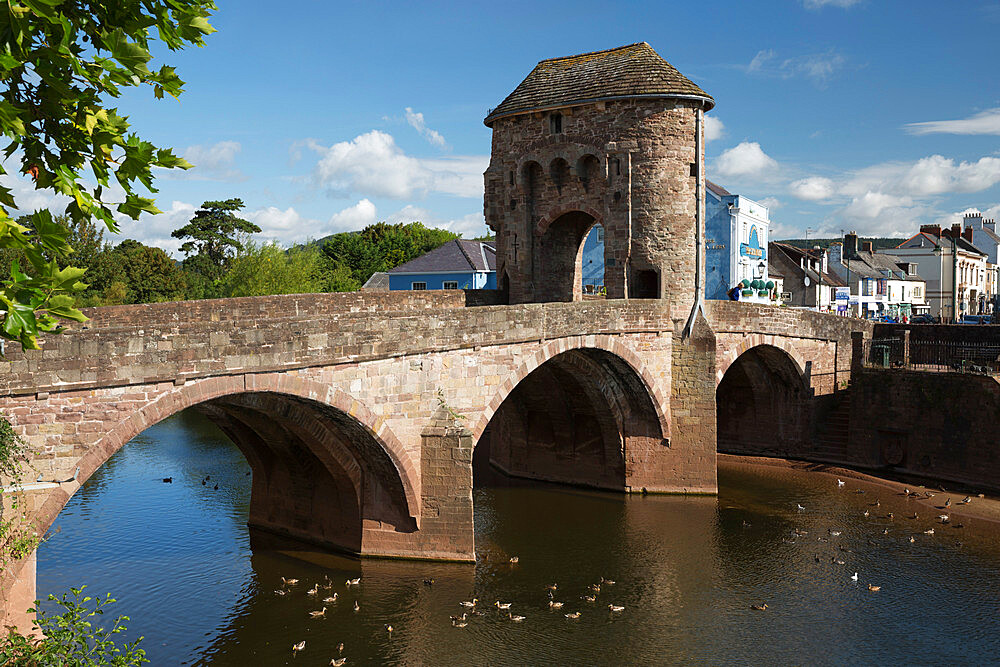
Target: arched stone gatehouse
[620, 131]
[762, 403]
[575, 414]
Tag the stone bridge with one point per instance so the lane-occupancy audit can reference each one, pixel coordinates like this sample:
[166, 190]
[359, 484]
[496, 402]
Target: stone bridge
[359, 413]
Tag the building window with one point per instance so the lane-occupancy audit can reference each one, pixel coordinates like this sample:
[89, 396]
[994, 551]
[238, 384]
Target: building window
[451, 284]
[555, 123]
[418, 286]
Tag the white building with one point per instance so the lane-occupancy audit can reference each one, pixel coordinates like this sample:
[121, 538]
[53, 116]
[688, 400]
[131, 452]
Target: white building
[736, 251]
[954, 269]
[986, 238]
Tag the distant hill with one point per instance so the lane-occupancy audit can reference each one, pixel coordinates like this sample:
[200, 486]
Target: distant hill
[879, 243]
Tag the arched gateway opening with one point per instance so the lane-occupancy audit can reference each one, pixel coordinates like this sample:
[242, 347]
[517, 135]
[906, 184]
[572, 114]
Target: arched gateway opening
[571, 420]
[760, 404]
[559, 276]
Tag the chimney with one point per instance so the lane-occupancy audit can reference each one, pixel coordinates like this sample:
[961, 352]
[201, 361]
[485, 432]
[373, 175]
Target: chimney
[967, 232]
[868, 246]
[973, 220]
[956, 230]
[836, 253]
[935, 230]
[850, 245]
[991, 225]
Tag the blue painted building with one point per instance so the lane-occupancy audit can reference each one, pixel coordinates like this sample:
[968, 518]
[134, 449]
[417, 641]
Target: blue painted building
[592, 262]
[736, 236]
[458, 264]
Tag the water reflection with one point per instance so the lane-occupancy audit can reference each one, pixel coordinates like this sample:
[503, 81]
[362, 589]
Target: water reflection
[201, 589]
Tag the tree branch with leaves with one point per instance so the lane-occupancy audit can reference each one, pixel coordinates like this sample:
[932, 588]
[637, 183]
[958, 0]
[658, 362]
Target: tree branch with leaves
[60, 63]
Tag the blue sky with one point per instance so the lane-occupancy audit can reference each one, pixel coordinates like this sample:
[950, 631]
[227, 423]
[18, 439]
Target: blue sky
[839, 114]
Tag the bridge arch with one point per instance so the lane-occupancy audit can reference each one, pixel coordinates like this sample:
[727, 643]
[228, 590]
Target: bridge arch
[762, 402]
[308, 444]
[729, 352]
[574, 412]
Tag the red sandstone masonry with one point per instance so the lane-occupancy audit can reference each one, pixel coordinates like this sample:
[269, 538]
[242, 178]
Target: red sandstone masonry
[373, 373]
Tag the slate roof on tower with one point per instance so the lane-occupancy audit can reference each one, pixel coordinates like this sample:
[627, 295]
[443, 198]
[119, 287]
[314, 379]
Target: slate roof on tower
[635, 70]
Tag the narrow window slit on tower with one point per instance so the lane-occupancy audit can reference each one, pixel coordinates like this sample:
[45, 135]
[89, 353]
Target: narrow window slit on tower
[555, 123]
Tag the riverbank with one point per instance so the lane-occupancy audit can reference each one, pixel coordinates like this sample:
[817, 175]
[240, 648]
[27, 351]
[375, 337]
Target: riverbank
[983, 512]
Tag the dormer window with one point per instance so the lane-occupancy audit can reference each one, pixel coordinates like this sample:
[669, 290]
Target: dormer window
[555, 123]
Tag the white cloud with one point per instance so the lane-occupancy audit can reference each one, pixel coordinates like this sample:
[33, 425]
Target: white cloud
[714, 128]
[819, 4]
[354, 217]
[928, 176]
[288, 226]
[813, 188]
[469, 226]
[871, 204]
[372, 164]
[745, 159]
[818, 66]
[211, 163]
[771, 203]
[416, 121]
[984, 122]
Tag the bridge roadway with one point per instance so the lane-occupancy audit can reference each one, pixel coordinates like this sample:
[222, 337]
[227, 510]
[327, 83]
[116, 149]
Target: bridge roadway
[359, 413]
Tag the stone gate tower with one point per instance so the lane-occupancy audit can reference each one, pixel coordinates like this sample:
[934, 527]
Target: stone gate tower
[611, 137]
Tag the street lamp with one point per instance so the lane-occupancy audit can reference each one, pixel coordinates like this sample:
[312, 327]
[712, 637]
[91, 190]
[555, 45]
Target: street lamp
[760, 270]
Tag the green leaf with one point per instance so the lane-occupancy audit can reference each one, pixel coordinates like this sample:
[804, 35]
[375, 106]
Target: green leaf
[134, 205]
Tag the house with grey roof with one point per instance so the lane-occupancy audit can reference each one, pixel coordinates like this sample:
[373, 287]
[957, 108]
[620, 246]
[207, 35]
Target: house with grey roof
[806, 276]
[458, 264]
[881, 285]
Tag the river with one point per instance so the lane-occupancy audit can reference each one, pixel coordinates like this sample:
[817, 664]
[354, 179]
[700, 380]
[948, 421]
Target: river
[180, 561]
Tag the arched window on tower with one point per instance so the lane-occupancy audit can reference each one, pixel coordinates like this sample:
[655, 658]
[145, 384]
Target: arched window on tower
[555, 123]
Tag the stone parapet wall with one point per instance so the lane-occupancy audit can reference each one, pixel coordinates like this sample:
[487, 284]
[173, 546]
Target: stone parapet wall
[275, 307]
[158, 349]
[819, 343]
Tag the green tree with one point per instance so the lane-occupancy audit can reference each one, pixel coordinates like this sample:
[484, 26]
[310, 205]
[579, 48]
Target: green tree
[139, 273]
[380, 247]
[214, 234]
[266, 268]
[60, 62]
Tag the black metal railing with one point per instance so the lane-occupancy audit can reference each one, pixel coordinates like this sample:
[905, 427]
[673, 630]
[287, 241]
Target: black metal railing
[946, 356]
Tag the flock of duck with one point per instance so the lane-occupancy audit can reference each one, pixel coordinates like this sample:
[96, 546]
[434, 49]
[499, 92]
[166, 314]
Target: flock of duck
[943, 518]
[470, 606]
[505, 610]
[589, 596]
[328, 599]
